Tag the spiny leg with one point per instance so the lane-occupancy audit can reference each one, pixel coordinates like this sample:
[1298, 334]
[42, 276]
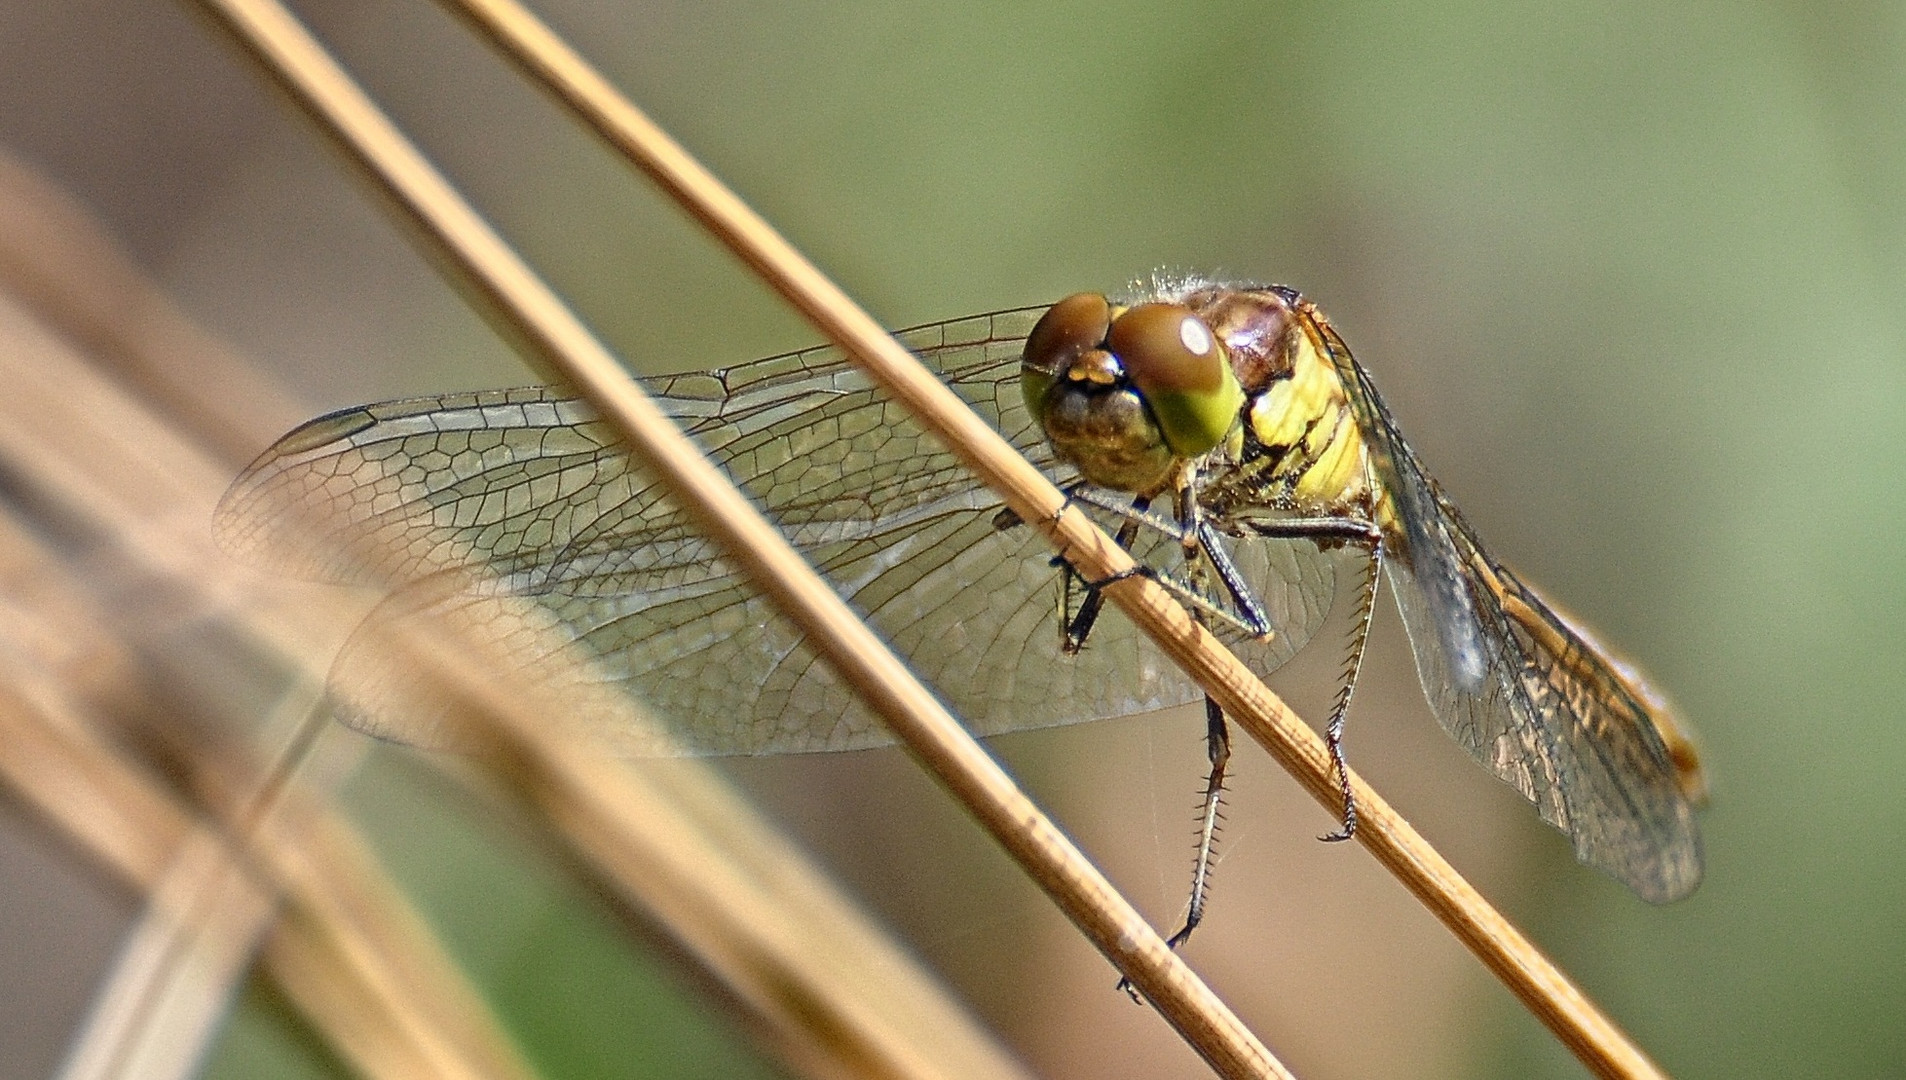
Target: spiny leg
[1201, 551]
[1365, 534]
[1218, 749]
[1193, 536]
[1353, 664]
[1199, 540]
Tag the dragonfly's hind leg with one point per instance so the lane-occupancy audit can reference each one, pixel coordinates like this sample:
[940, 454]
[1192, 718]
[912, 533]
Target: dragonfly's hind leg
[1353, 664]
[1210, 815]
[1366, 535]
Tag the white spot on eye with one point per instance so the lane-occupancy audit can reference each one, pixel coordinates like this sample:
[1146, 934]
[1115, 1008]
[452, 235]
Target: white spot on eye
[1195, 337]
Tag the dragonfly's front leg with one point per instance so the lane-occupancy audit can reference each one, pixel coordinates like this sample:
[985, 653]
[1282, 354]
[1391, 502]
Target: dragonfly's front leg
[1136, 513]
[1246, 614]
[1079, 626]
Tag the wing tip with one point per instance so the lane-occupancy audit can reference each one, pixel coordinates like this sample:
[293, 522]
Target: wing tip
[1668, 873]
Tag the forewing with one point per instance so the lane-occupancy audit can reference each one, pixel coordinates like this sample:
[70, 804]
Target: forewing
[403, 490]
[1528, 694]
[516, 513]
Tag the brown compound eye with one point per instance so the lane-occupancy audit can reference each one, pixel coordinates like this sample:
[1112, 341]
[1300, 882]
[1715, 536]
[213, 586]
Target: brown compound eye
[1182, 372]
[1068, 330]
[1167, 349]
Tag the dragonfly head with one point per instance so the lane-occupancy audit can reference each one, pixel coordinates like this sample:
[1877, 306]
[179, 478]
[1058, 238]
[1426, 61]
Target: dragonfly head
[1125, 393]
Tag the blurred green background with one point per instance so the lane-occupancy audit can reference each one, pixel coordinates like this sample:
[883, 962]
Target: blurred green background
[1633, 278]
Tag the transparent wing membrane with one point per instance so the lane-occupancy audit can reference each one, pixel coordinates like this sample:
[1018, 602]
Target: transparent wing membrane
[1530, 695]
[515, 513]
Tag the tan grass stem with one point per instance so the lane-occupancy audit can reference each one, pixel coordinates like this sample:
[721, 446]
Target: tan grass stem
[107, 522]
[345, 947]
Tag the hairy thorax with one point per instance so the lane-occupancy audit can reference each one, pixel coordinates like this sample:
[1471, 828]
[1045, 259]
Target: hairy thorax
[1301, 450]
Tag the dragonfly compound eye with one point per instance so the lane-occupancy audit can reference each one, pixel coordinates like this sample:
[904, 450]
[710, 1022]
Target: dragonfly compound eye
[1068, 330]
[1181, 371]
[1091, 414]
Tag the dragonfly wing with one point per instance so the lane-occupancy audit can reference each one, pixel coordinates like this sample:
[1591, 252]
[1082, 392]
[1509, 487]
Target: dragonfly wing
[516, 513]
[401, 490]
[1629, 793]
[975, 609]
[1529, 694]
[404, 490]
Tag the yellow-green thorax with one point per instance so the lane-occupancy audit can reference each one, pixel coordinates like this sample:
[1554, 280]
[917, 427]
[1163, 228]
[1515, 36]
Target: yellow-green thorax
[1305, 424]
[1304, 453]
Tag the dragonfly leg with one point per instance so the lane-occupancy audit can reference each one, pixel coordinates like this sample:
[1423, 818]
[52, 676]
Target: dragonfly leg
[1200, 537]
[1353, 664]
[1218, 748]
[1201, 606]
[1094, 595]
[1008, 518]
[1366, 535]
[1348, 530]
[1202, 551]
[1137, 514]
[1138, 510]
[1079, 625]
[1251, 613]
[1210, 814]
[1190, 530]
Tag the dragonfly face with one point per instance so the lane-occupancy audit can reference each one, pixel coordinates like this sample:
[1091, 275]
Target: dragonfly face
[1288, 478]
[1124, 394]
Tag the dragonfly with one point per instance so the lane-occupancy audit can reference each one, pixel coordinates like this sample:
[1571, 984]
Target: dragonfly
[1223, 432]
